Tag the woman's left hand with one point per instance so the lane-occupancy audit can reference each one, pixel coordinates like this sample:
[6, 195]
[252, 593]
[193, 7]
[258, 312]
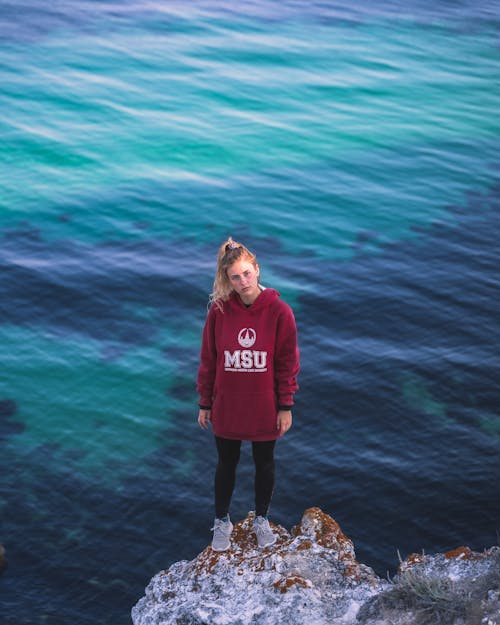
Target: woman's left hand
[284, 421]
[204, 418]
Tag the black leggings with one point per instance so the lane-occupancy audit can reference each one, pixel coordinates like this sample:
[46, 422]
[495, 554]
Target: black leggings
[225, 474]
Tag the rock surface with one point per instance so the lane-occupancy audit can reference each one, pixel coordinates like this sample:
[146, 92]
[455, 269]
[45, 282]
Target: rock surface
[310, 577]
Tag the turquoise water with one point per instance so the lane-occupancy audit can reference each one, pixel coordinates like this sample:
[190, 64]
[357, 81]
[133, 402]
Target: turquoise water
[347, 146]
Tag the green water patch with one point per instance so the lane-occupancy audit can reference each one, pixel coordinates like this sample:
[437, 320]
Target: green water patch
[417, 394]
[480, 414]
[490, 424]
[92, 412]
[462, 406]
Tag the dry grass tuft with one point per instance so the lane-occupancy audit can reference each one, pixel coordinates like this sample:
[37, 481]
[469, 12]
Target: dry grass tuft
[428, 599]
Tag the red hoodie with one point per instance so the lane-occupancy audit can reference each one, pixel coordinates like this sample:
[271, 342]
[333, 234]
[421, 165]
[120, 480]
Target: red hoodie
[248, 366]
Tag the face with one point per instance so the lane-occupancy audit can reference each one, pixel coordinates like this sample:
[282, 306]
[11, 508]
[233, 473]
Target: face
[244, 278]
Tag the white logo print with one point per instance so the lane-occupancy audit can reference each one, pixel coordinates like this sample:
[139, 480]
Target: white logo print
[247, 337]
[246, 360]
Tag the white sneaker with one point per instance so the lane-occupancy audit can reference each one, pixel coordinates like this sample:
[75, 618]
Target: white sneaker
[222, 534]
[265, 535]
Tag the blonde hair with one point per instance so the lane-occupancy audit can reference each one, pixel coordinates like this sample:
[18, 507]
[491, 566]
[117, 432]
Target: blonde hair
[229, 252]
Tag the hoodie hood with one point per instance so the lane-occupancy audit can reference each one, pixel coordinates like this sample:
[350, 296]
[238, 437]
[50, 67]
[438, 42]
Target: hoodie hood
[266, 298]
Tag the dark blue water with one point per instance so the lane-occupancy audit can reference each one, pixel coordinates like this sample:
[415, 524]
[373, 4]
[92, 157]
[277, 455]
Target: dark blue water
[356, 151]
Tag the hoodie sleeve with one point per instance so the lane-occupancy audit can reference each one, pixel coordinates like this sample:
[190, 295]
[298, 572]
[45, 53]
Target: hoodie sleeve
[286, 359]
[208, 361]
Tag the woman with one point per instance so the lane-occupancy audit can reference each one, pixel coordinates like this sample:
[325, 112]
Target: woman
[246, 381]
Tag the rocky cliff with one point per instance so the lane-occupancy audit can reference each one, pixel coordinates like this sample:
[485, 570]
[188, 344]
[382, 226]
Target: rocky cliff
[311, 577]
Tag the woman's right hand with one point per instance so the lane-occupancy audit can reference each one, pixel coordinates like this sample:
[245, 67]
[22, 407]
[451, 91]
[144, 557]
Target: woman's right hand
[204, 418]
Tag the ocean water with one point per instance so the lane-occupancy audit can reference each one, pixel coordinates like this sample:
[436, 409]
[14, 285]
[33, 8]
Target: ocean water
[355, 149]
